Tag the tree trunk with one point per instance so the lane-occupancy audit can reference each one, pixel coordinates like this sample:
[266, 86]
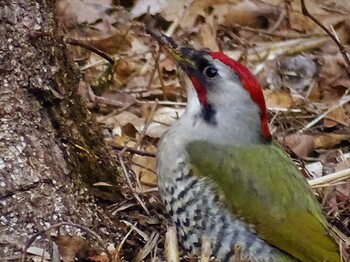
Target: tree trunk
[51, 149]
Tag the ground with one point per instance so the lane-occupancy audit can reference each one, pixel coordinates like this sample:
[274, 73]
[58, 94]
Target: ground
[133, 89]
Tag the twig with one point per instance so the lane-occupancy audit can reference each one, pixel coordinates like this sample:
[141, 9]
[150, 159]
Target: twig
[340, 46]
[287, 8]
[88, 230]
[331, 178]
[276, 34]
[147, 249]
[334, 10]
[147, 190]
[154, 255]
[123, 241]
[148, 122]
[162, 85]
[114, 57]
[149, 119]
[143, 167]
[163, 102]
[345, 99]
[278, 22]
[126, 174]
[134, 151]
[90, 48]
[156, 61]
[138, 231]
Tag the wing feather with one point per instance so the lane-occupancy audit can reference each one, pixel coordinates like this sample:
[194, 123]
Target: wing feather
[262, 185]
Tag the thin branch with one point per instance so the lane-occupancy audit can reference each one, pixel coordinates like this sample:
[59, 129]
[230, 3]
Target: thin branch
[344, 100]
[123, 241]
[278, 22]
[126, 174]
[134, 151]
[90, 48]
[288, 35]
[340, 46]
[147, 124]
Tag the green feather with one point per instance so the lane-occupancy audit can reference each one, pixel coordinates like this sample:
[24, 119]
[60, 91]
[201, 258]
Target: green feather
[261, 185]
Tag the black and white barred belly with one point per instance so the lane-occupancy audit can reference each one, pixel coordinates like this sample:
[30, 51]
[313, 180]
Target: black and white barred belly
[196, 211]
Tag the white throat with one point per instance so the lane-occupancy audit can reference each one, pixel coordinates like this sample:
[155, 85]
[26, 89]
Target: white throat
[237, 120]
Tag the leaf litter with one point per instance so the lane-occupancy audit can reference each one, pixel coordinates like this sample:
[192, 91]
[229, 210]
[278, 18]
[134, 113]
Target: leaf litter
[136, 98]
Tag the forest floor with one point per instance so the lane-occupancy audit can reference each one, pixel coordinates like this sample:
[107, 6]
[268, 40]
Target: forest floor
[133, 88]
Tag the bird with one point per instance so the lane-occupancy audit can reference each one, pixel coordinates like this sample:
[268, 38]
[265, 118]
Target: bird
[222, 175]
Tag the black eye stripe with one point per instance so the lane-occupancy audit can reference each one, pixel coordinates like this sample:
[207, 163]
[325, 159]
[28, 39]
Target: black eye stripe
[206, 68]
[203, 64]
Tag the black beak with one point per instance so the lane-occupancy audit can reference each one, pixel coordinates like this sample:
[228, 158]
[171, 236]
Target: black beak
[184, 56]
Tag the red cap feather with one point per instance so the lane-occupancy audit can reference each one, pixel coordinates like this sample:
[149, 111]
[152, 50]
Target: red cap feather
[251, 85]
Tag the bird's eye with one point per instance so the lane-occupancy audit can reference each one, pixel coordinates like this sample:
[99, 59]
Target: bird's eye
[210, 71]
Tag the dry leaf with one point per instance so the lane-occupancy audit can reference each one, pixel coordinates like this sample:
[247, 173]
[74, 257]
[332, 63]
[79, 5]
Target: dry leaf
[38, 254]
[145, 167]
[71, 247]
[125, 118]
[151, 7]
[163, 118]
[207, 35]
[335, 117]
[246, 13]
[330, 140]
[278, 99]
[301, 145]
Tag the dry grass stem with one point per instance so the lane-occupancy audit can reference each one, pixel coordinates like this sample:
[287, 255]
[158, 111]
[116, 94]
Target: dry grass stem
[148, 122]
[90, 48]
[119, 248]
[150, 244]
[126, 175]
[171, 245]
[344, 100]
[331, 179]
[206, 249]
[163, 102]
[138, 231]
[289, 47]
[134, 151]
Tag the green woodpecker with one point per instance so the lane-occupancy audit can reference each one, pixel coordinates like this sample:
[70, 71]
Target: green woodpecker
[222, 176]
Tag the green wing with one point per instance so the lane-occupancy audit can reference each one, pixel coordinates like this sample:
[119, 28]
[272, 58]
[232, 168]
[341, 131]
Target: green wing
[262, 185]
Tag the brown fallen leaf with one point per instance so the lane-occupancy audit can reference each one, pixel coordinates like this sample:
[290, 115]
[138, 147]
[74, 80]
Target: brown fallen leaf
[145, 167]
[302, 145]
[278, 99]
[330, 140]
[72, 247]
[335, 117]
[246, 13]
[207, 35]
